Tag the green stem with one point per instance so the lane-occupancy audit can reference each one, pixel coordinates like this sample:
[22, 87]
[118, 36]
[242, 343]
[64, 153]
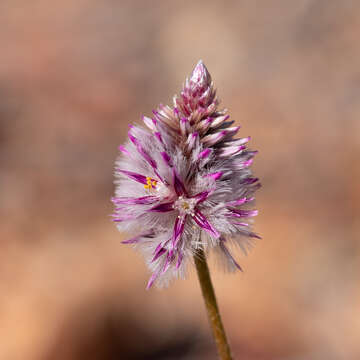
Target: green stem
[211, 306]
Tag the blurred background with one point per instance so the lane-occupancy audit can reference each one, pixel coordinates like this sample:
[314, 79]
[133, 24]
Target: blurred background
[73, 74]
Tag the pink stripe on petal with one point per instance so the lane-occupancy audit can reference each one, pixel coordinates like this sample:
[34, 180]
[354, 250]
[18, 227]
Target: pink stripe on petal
[203, 125]
[178, 184]
[250, 181]
[133, 240]
[169, 259]
[204, 154]
[158, 248]
[212, 139]
[231, 150]
[123, 150]
[147, 235]
[144, 200]
[247, 163]
[243, 164]
[215, 175]
[160, 251]
[145, 155]
[178, 230]
[201, 220]
[154, 276]
[191, 140]
[166, 158]
[200, 197]
[134, 176]
[240, 224]
[242, 213]
[142, 151]
[237, 202]
[254, 235]
[159, 137]
[165, 207]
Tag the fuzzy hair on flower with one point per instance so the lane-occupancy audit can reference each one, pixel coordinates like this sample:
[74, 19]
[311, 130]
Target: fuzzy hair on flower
[183, 183]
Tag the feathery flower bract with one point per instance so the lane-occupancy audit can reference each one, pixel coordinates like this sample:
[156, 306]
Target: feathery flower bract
[183, 182]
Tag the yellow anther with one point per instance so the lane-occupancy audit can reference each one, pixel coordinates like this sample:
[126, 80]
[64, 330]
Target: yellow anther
[185, 206]
[150, 183]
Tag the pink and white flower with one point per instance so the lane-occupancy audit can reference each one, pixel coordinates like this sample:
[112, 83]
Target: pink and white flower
[184, 183]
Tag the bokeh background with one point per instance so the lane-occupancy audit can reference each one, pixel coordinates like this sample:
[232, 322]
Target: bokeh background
[73, 74]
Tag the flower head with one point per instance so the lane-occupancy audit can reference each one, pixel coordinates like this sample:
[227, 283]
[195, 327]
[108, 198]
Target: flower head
[184, 182]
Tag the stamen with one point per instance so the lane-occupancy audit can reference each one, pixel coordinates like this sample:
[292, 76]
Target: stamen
[150, 183]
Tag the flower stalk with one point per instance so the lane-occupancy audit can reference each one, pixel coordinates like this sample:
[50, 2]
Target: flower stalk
[212, 308]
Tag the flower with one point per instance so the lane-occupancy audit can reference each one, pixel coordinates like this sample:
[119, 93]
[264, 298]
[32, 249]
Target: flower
[184, 183]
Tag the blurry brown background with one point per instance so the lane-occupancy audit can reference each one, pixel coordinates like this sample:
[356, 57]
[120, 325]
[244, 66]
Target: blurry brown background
[73, 74]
